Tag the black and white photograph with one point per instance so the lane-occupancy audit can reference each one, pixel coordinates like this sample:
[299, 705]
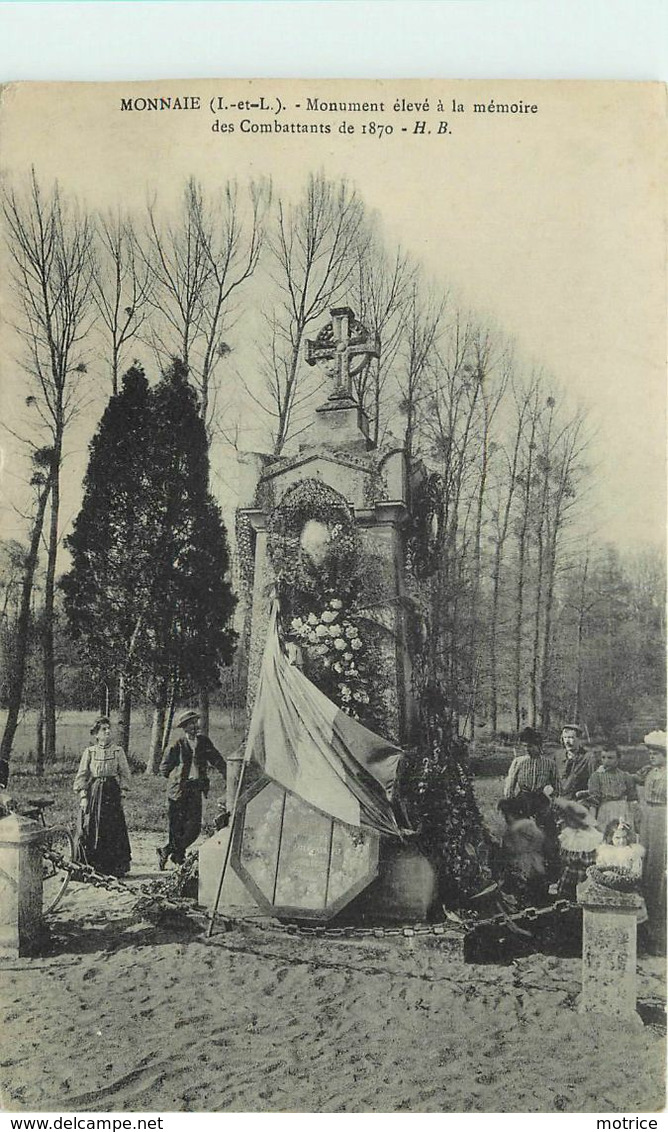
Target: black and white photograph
[332, 596]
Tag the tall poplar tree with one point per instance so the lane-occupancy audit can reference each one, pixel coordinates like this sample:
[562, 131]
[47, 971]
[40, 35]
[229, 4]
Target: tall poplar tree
[51, 261]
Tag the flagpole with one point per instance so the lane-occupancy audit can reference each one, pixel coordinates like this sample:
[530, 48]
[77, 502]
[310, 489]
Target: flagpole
[237, 793]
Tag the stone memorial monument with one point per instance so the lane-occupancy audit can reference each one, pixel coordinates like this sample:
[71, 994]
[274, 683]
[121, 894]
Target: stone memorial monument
[287, 858]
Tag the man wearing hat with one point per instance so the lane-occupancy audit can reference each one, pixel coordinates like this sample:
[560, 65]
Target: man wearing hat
[580, 764]
[185, 766]
[532, 771]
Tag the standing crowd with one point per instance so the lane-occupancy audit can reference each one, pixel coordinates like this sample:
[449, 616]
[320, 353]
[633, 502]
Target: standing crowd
[558, 827]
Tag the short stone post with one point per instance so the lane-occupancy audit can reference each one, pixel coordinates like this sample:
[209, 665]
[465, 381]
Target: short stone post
[21, 841]
[609, 932]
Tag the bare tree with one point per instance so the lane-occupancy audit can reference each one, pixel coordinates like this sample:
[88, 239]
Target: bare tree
[417, 357]
[525, 481]
[446, 430]
[175, 256]
[314, 249]
[490, 373]
[583, 610]
[541, 534]
[50, 244]
[121, 287]
[502, 509]
[647, 568]
[567, 471]
[232, 237]
[381, 293]
[41, 481]
[197, 264]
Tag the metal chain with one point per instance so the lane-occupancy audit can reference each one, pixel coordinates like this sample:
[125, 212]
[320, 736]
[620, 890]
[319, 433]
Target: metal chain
[467, 927]
[149, 897]
[323, 932]
[89, 875]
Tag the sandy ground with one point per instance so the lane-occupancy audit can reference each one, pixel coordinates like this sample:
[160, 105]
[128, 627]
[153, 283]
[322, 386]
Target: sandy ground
[125, 1016]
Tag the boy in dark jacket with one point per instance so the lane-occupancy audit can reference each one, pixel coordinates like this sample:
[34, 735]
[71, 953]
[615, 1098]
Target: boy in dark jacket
[185, 766]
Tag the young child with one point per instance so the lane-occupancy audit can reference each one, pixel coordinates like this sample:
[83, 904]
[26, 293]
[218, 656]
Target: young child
[620, 856]
[612, 791]
[578, 842]
[523, 853]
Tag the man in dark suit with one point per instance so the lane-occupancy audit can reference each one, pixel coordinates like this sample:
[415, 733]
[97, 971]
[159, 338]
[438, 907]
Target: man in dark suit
[185, 766]
[580, 764]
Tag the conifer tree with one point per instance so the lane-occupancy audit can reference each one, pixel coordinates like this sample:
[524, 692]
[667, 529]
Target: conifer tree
[108, 589]
[147, 593]
[192, 600]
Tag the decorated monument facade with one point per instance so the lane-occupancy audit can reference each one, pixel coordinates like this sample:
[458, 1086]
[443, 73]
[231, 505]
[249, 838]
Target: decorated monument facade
[327, 538]
[323, 560]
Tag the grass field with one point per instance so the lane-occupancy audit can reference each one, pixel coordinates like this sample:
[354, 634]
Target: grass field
[73, 733]
[145, 805]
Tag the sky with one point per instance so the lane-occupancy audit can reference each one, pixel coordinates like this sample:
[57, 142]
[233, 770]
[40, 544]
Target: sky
[549, 224]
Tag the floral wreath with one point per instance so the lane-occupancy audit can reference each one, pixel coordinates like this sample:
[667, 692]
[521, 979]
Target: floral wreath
[612, 876]
[299, 579]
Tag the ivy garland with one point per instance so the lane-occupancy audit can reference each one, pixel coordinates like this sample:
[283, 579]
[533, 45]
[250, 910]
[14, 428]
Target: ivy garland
[375, 488]
[264, 493]
[425, 539]
[245, 537]
[299, 580]
[436, 790]
[245, 552]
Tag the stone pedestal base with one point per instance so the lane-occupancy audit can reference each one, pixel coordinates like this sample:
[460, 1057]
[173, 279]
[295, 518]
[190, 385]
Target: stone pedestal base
[20, 886]
[403, 891]
[340, 423]
[609, 931]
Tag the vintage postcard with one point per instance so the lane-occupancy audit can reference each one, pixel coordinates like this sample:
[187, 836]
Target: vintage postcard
[332, 580]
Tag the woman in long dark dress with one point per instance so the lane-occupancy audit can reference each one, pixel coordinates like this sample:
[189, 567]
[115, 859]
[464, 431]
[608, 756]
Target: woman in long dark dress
[653, 837]
[101, 780]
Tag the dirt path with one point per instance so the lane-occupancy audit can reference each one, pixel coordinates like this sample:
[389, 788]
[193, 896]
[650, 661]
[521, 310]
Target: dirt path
[126, 1016]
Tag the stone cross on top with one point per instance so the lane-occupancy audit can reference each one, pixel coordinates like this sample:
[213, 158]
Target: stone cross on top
[347, 344]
